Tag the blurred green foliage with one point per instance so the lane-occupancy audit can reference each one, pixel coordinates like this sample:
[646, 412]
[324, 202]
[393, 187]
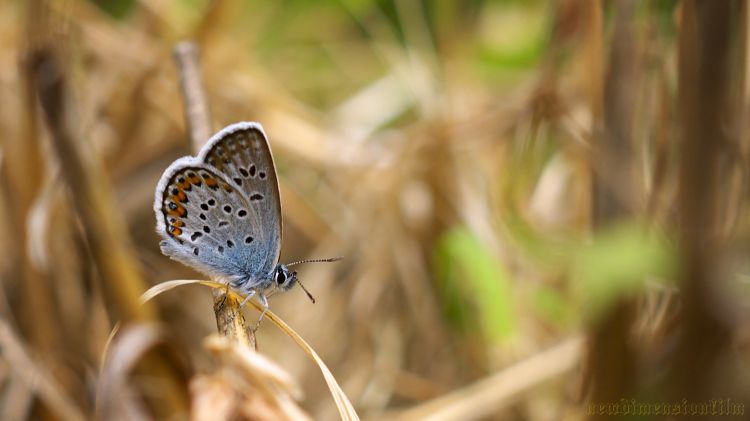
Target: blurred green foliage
[516, 41]
[118, 9]
[552, 306]
[617, 263]
[475, 287]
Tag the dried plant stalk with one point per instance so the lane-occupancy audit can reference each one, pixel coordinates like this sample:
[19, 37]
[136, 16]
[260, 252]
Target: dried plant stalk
[611, 193]
[344, 406]
[229, 319]
[105, 237]
[705, 59]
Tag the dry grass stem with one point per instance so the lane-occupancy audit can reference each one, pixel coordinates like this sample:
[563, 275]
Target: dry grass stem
[489, 395]
[345, 408]
[229, 319]
[106, 239]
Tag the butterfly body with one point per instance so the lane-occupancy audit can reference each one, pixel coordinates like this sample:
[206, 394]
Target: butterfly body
[220, 211]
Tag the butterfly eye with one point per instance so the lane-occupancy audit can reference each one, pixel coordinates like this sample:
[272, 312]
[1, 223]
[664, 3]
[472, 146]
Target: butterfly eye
[280, 277]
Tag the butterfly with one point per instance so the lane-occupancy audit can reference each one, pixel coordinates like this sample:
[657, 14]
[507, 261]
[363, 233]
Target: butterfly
[220, 213]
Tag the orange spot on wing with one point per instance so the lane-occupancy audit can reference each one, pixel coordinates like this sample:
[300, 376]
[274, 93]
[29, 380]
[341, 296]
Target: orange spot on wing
[180, 196]
[180, 211]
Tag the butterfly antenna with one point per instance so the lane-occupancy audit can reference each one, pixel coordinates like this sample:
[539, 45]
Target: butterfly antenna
[329, 260]
[306, 292]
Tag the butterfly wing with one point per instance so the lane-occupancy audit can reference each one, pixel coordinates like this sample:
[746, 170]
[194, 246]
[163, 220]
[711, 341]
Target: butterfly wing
[242, 153]
[218, 225]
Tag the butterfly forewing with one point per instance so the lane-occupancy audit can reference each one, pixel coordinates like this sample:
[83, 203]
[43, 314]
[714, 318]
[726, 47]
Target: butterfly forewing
[241, 152]
[216, 223]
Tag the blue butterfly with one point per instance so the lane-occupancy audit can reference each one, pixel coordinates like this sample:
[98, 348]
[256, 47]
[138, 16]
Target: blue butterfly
[220, 213]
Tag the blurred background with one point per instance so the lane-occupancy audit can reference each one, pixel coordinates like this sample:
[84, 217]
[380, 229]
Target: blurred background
[542, 207]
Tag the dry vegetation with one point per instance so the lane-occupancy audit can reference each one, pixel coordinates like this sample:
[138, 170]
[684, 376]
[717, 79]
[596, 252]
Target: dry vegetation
[542, 205]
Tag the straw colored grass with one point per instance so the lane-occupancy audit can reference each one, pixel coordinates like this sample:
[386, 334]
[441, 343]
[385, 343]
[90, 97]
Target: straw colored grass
[345, 408]
[502, 177]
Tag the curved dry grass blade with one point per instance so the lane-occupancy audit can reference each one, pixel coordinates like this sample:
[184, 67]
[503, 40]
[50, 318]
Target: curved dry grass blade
[346, 410]
[108, 344]
[344, 406]
[166, 286]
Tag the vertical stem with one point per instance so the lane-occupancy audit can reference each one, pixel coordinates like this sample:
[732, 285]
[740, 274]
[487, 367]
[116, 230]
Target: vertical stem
[197, 117]
[705, 55]
[229, 319]
[23, 172]
[611, 360]
[104, 234]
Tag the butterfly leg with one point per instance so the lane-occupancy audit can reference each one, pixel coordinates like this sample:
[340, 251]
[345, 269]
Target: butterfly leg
[250, 295]
[264, 301]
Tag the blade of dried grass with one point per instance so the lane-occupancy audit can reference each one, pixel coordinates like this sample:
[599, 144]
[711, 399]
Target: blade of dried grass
[255, 364]
[344, 406]
[212, 398]
[111, 252]
[19, 397]
[122, 355]
[108, 242]
[260, 374]
[166, 286]
[346, 410]
[36, 377]
[487, 396]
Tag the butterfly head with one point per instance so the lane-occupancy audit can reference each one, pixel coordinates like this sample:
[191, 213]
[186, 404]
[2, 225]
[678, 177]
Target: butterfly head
[283, 278]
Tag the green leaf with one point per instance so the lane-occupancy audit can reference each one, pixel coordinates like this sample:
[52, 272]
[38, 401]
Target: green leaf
[512, 36]
[118, 9]
[474, 285]
[617, 264]
[552, 306]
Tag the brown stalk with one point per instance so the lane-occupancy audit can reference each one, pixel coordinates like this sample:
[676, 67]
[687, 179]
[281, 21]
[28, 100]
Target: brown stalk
[705, 63]
[229, 319]
[106, 239]
[611, 359]
[22, 172]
